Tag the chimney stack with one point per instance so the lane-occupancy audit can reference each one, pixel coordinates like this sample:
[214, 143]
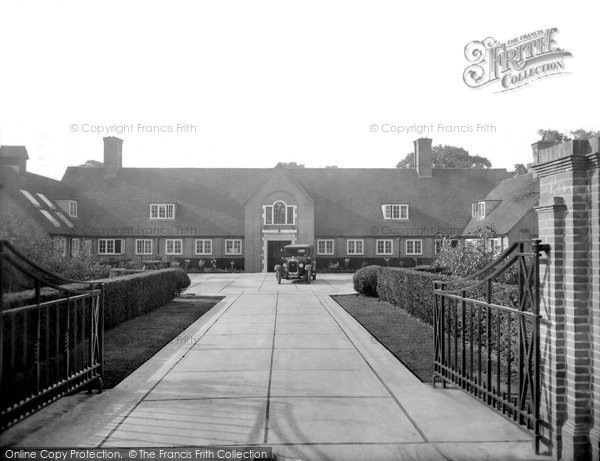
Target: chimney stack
[113, 156]
[423, 157]
[536, 147]
[546, 141]
[14, 157]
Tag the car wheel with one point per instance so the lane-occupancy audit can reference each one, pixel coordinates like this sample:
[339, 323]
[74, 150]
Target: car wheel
[315, 276]
[308, 277]
[278, 275]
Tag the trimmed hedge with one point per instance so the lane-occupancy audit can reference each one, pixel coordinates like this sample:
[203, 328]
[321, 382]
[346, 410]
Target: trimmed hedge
[409, 289]
[413, 291]
[137, 294]
[124, 297]
[365, 280]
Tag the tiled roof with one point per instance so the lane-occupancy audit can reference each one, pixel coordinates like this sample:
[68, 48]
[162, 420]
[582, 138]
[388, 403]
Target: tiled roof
[37, 195]
[515, 198]
[210, 201]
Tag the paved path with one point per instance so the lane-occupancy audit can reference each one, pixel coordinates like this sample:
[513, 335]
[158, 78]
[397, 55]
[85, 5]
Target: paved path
[285, 366]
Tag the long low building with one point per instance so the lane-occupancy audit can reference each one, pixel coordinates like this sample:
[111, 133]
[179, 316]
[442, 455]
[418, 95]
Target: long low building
[241, 217]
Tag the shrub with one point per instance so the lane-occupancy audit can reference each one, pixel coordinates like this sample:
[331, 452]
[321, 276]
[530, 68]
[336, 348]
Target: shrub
[463, 260]
[365, 280]
[469, 258]
[124, 297]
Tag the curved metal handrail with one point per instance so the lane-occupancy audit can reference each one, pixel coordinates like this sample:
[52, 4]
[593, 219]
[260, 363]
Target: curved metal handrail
[19, 265]
[480, 274]
[480, 282]
[8, 245]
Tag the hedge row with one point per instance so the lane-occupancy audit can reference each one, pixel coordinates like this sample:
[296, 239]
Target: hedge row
[124, 297]
[409, 289]
[413, 291]
[137, 294]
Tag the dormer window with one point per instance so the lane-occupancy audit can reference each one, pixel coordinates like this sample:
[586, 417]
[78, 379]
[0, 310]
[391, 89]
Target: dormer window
[162, 211]
[478, 210]
[73, 208]
[395, 210]
[279, 213]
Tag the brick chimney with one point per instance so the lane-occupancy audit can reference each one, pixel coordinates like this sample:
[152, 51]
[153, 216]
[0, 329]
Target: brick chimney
[538, 146]
[113, 156]
[14, 157]
[423, 157]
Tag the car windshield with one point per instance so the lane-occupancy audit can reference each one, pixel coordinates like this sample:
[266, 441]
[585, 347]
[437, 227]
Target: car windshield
[296, 252]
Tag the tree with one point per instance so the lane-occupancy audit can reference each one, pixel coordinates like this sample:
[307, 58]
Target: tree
[289, 165]
[585, 134]
[445, 156]
[407, 162]
[92, 164]
[557, 136]
[519, 169]
[553, 135]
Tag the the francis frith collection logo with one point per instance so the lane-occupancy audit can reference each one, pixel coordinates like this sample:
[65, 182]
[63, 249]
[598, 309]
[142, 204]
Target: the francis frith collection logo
[514, 63]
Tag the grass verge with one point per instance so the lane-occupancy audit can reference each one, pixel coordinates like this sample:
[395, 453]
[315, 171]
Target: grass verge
[408, 338]
[130, 344]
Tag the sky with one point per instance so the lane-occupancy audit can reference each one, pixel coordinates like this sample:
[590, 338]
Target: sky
[253, 83]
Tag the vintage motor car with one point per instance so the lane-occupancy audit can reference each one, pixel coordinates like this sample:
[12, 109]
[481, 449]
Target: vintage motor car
[297, 262]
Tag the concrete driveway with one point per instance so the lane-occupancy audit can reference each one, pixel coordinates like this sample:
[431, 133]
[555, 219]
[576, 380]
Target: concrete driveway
[282, 366]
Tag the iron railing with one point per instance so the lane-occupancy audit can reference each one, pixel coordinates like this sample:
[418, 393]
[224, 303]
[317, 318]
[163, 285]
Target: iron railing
[491, 348]
[51, 335]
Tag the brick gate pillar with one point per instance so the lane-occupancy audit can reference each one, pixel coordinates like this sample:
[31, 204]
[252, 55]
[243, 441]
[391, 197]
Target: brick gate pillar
[570, 327]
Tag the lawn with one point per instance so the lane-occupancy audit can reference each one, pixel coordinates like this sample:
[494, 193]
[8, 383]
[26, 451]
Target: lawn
[408, 338]
[129, 345]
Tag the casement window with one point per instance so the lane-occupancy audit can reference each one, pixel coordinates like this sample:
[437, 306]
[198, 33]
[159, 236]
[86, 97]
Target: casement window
[111, 246]
[414, 247]
[325, 247]
[60, 246]
[395, 210]
[478, 210]
[355, 247]
[233, 247]
[173, 246]
[143, 246]
[495, 245]
[73, 208]
[162, 211]
[439, 245]
[279, 213]
[75, 247]
[385, 247]
[203, 247]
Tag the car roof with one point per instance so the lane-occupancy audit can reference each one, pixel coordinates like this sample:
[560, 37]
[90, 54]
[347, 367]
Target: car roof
[299, 245]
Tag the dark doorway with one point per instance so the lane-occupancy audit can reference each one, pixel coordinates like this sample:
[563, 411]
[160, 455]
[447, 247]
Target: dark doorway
[274, 249]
